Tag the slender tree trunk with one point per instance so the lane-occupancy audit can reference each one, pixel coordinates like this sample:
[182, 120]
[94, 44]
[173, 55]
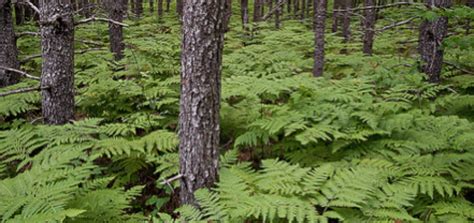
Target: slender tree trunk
[116, 12]
[152, 5]
[336, 15]
[168, 3]
[19, 14]
[270, 7]
[257, 10]
[244, 12]
[132, 6]
[138, 8]
[369, 26]
[432, 34]
[160, 9]
[125, 8]
[303, 9]
[203, 40]
[346, 23]
[319, 30]
[8, 50]
[309, 4]
[179, 7]
[278, 13]
[288, 8]
[57, 46]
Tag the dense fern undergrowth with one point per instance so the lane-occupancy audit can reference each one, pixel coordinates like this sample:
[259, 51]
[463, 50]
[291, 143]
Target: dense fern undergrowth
[372, 141]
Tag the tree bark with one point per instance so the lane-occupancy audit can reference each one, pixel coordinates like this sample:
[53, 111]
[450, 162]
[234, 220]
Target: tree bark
[336, 15]
[346, 22]
[168, 3]
[179, 8]
[19, 13]
[369, 26]
[244, 12]
[138, 8]
[8, 50]
[270, 7]
[201, 58]
[160, 8]
[278, 13]
[303, 9]
[152, 5]
[257, 10]
[288, 8]
[57, 46]
[116, 13]
[319, 30]
[432, 34]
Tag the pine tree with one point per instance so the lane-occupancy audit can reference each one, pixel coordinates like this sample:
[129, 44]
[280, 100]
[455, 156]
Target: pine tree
[116, 12]
[319, 29]
[369, 26]
[8, 50]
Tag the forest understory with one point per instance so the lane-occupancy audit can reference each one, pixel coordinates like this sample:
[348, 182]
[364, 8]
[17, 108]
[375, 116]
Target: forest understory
[374, 130]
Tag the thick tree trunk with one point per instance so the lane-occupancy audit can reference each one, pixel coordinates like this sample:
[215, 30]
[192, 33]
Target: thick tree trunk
[432, 34]
[369, 26]
[57, 46]
[320, 7]
[8, 50]
[346, 21]
[257, 10]
[116, 12]
[160, 8]
[203, 40]
[244, 12]
[19, 14]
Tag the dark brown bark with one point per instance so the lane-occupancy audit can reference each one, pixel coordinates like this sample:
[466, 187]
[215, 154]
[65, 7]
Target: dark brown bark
[244, 12]
[152, 5]
[432, 34]
[19, 13]
[369, 26]
[8, 50]
[309, 4]
[179, 8]
[201, 58]
[257, 10]
[160, 8]
[57, 46]
[116, 13]
[319, 30]
[336, 15]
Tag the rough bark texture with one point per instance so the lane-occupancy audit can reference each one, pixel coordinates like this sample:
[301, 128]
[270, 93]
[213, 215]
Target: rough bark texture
[244, 12]
[57, 46]
[201, 60]
[257, 10]
[270, 7]
[319, 29]
[168, 3]
[369, 27]
[431, 37]
[152, 5]
[8, 50]
[116, 12]
[288, 6]
[179, 7]
[303, 9]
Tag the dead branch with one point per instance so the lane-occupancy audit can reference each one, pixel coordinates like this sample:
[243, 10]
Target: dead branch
[19, 35]
[33, 6]
[274, 9]
[375, 7]
[24, 74]
[401, 23]
[21, 90]
[93, 18]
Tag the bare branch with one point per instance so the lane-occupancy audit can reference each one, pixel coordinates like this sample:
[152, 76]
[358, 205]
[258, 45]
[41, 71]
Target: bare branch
[24, 74]
[33, 6]
[170, 180]
[21, 90]
[31, 57]
[88, 50]
[375, 7]
[273, 10]
[19, 35]
[401, 23]
[93, 18]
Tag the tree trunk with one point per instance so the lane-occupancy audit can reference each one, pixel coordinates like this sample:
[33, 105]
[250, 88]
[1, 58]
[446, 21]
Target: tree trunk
[244, 12]
[309, 4]
[303, 9]
[227, 14]
[277, 14]
[201, 58]
[296, 8]
[270, 7]
[57, 46]
[116, 12]
[160, 9]
[168, 3]
[19, 14]
[179, 8]
[289, 4]
[138, 8]
[346, 23]
[257, 10]
[432, 34]
[369, 26]
[336, 15]
[8, 50]
[152, 5]
[319, 29]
